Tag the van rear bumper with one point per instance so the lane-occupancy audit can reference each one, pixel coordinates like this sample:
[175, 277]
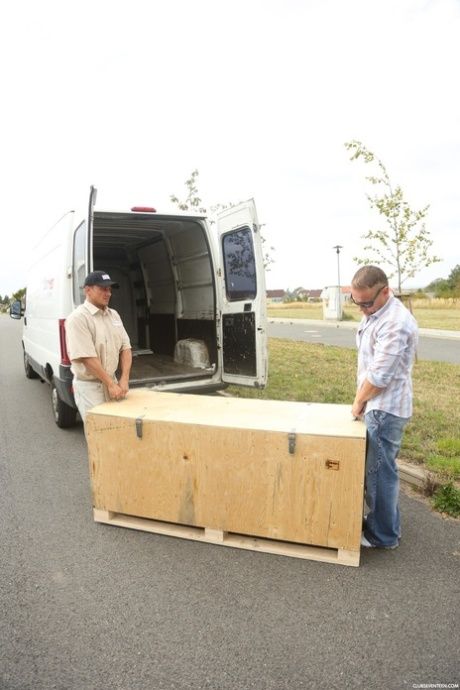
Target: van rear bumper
[64, 387]
[204, 388]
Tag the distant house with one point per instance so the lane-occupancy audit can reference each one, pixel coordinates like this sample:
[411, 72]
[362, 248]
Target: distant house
[306, 295]
[276, 295]
[314, 295]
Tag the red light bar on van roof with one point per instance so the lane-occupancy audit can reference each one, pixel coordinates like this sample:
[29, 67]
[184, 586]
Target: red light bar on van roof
[143, 209]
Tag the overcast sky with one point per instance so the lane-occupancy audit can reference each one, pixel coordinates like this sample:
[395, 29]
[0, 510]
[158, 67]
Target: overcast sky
[259, 96]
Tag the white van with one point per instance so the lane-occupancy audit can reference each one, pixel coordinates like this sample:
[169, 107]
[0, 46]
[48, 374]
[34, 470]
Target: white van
[195, 312]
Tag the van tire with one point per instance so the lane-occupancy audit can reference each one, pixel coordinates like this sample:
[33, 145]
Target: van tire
[64, 415]
[30, 373]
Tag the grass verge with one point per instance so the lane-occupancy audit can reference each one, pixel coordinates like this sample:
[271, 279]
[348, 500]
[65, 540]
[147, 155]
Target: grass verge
[438, 314]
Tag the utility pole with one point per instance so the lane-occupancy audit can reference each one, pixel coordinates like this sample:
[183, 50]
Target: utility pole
[337, 248]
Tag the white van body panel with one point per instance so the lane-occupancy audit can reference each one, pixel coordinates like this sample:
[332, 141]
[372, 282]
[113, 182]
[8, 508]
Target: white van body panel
[172, 297]
[48, 297]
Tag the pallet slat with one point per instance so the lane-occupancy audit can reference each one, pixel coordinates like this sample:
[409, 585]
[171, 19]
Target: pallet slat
[219, 538]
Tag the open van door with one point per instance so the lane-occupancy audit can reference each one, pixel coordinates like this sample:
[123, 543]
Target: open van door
[243, 323]
[89, 236]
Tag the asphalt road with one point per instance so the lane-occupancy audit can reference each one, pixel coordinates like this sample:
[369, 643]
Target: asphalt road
[86, 606]
[432, 344]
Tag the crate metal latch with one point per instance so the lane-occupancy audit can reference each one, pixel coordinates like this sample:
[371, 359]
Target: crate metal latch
[139, 427]
[292, 437]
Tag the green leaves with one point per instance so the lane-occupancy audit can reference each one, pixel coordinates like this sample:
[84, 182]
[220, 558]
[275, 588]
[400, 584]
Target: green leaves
[447, 500]
[192, 201]
[447, 287]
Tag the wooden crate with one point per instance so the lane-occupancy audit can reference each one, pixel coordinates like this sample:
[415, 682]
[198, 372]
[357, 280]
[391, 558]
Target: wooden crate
[282, 477]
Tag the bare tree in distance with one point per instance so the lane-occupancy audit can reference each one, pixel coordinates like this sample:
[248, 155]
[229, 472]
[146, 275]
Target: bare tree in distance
[405, 244]
[193, 202]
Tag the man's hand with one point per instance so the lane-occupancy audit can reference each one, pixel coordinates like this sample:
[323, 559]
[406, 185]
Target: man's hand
[357, 409]
[365, 392]
[115, 391]
[125, 362]
[124, 384]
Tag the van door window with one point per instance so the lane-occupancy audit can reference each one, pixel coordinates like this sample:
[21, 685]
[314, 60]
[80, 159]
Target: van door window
[239, 265]
[79, 263]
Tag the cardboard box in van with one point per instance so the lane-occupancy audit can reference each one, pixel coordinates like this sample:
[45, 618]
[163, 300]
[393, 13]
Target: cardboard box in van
[191, 297]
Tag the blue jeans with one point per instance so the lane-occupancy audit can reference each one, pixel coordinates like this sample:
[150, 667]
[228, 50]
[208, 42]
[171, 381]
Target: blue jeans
[384, 435]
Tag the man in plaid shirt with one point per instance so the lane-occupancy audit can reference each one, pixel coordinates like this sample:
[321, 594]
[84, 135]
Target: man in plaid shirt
[387, 340]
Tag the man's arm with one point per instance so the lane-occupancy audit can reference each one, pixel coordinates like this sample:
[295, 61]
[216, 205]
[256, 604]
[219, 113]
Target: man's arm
[126, 360]
[94, 366]
[365, 392]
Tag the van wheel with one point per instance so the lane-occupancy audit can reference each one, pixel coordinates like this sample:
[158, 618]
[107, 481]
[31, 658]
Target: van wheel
[64, 415]
[30, 373]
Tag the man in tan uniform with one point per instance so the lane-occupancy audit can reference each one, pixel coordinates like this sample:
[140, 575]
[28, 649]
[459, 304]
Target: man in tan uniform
[98, 346]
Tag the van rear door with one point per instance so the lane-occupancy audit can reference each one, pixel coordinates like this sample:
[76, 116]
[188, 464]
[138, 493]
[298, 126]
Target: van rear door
[243, 322]
[89, 246]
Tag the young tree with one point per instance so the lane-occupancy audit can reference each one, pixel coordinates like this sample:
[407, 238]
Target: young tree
[193, 202]
[404, 245]
[454, 280]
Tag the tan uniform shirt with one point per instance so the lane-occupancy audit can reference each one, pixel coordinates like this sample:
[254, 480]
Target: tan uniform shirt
[94, 332]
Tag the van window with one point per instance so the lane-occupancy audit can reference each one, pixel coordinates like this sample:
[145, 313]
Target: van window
[239, 265]
[79, 263]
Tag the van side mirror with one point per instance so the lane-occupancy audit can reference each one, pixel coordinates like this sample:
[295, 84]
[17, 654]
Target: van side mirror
[16, 310]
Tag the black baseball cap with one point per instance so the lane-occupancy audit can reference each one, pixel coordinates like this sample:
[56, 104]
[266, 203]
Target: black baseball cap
[99, 278]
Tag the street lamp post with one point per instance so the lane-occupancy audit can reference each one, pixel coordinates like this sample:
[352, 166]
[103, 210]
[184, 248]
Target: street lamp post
[337, 248]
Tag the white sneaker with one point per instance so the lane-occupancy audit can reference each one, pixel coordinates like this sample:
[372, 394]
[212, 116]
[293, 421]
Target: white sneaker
[366, 543]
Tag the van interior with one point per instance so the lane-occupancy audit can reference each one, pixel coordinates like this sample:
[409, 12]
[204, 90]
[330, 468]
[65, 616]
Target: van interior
[166, 295]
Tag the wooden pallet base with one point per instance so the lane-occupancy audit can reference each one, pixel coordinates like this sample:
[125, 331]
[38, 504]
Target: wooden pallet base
[239, 541]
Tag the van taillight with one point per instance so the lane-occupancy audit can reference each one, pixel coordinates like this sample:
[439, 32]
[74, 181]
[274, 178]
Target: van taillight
[143, 209]
[64, 355]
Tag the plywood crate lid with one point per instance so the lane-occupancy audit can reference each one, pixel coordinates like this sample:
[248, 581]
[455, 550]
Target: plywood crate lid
[240, 413]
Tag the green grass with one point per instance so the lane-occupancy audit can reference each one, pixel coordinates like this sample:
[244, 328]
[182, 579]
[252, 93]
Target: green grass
[326, 374]
[447, 500]
[448, 467]
[443, 319]
[450, 447]
[446, 461]
[295, 310]
[438, 314]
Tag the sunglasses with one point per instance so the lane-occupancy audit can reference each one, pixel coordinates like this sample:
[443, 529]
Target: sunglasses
[368, 305]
